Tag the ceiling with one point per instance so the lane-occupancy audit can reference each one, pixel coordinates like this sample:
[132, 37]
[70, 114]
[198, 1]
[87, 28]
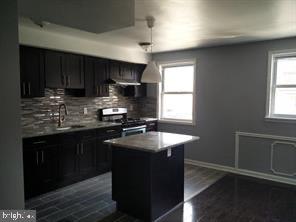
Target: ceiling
[95, 16]
[182, 24]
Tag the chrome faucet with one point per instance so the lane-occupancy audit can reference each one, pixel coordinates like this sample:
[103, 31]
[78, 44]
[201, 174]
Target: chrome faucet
[62, 118]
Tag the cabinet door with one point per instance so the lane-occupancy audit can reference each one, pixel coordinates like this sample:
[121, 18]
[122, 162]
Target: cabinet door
[31, 172]
[68, 163]
[104, 154]
[87, 158]
[90, 80]
[54, 70]
[126, 71]
[114, 69]
[48, 167]
[101, 76]
[74, 71]
[32, 72]
[96, 75]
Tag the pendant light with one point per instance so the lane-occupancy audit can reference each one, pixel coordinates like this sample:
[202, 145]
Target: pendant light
[151, 73]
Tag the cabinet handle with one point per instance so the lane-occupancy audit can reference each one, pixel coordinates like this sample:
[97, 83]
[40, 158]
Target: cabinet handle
[97, 90]
[69, 80]
[24, 88]
[61, 68]
[37, 159]
[110, 131]
[39, 142]
[29, 88]
[42, 156]
[82, 149]
[77, 149]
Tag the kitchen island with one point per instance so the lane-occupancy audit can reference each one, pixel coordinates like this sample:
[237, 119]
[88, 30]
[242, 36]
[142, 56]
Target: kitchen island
[148, 173]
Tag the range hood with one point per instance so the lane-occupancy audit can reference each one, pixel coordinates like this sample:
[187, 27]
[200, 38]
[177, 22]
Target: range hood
[123, 82]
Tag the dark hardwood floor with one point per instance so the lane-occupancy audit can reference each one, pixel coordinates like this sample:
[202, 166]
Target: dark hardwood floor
[238, 199]
[90, 200]
[231, 199]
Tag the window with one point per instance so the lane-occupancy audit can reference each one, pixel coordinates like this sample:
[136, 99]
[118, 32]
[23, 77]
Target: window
[281, 102]
[176, 92]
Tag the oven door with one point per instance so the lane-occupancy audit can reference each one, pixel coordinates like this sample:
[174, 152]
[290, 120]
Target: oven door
[133, 130]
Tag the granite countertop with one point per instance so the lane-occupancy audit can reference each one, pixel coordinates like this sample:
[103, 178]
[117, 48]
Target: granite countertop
[152, 141]
[51, 129]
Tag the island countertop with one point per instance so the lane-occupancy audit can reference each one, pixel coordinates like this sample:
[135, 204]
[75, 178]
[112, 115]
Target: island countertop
[152, 141]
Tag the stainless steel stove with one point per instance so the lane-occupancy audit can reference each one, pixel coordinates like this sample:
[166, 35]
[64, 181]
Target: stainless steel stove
[130, 126]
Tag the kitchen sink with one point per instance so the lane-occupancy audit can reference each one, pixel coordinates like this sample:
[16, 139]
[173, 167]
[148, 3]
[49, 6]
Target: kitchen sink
[70, 127]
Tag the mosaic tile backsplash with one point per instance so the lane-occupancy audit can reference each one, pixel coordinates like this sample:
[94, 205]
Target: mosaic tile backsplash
[39, 112]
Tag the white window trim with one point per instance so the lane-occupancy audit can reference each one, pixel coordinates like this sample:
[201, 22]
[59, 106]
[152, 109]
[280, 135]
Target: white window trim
[269, 116]
[176, 121]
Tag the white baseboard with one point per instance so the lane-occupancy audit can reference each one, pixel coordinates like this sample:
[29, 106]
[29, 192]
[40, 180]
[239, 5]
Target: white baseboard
[242, 171]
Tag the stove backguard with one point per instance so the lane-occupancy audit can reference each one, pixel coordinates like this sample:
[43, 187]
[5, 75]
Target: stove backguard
[112, 114]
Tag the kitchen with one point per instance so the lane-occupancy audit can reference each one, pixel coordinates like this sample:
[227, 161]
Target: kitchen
[74, 93]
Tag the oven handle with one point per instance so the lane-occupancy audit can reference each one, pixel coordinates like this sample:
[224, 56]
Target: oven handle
[134, 128]
[138, 130]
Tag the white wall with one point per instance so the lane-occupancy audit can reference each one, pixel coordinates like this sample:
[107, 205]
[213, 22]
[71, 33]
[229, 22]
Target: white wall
[11, 163]
[52, 40]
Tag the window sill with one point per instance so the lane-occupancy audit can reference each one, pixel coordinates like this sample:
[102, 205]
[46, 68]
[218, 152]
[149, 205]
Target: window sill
[176, 122]
[280, 119]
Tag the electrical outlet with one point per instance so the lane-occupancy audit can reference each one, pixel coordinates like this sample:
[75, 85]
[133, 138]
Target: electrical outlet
[84, 110]
[131, 107]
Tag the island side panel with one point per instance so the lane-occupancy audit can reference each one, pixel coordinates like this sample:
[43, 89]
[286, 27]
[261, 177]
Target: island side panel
[131, 182]
[167, 180]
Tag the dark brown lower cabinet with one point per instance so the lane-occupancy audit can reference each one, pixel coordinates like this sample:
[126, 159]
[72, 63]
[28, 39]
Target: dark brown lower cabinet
[68, 163]
[147, 185]
[77, 158]
[58, 160]
[40, 169]
[104, 154]
[87, 158]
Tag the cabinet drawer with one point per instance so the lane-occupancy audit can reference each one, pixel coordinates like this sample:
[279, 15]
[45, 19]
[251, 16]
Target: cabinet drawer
[151, 124]
[87, 134]
[40, 141]
[109, 131]
[69, 137]
[74, 137]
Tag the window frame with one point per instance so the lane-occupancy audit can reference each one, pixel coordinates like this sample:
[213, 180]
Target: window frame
[160, 92]
[271, 86]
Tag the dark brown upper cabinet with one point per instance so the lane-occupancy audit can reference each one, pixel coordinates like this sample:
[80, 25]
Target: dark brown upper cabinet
[80, 75]
[31, 72]
[74, 71]
[64, 70]
[140, 90]
[54, 73]
[114, 69]
[127, 71]
[122, 70]
[96, 76]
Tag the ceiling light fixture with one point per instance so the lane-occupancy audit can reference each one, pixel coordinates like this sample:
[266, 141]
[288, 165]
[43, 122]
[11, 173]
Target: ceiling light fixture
[151, 73]
[145, 45]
